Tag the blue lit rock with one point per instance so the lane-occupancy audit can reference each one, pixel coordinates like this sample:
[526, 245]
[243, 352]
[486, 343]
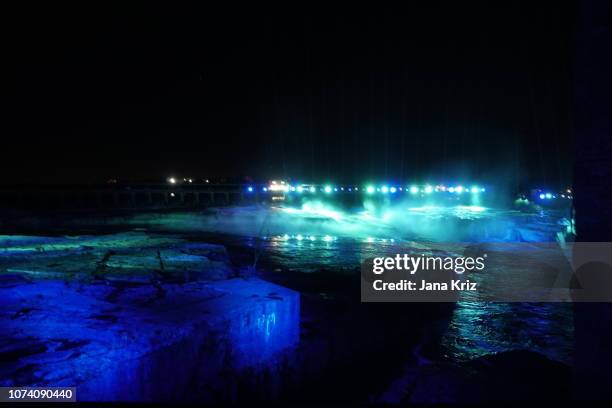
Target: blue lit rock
[139, 317]
[123, 342]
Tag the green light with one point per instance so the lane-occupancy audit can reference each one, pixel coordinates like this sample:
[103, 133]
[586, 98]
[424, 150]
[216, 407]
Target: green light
[299, 237]
[328, 189]
[475, 189]
[315, 209]
[384, 189]
[370, 189]
[327, 238]
[300, 189]
[428, 189]
[312, 189]
[470, 208]
[414, 189]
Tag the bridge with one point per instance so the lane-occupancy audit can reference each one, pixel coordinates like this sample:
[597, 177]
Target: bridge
[127, 197]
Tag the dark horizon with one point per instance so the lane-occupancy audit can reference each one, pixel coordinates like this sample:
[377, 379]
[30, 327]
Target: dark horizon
[142, 91]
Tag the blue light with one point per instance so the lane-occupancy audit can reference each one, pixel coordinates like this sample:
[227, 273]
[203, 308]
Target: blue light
[300, 189]
[482, 190]
[451, 189]
[542, 196]
[264, 189]
[292, 188]
[393, 190]
[428, 189]
[350, 189]
[335, 188]
[250, 189]
[459, 189]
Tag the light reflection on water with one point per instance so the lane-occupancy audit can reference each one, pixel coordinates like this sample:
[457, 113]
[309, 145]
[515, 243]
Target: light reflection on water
[479, 328]
[476, 328]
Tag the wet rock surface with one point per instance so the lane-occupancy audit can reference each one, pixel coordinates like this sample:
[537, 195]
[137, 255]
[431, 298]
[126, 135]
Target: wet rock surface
[135, 317]
[133, 256]
[118, 342]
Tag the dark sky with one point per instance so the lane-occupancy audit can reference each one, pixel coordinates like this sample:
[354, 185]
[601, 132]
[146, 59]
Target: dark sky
[436, 90]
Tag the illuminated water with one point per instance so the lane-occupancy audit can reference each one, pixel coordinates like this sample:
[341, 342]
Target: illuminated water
[321, 237]
[316, 238]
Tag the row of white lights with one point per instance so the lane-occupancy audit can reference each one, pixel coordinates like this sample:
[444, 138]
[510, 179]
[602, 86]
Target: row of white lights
[300, 237]
[174, 180]
[325, 238]
[428, 189]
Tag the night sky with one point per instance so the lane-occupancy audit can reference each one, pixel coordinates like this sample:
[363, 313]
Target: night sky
[435, 91]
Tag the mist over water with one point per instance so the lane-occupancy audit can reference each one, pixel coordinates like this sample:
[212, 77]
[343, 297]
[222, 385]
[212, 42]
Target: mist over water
[406, 219]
